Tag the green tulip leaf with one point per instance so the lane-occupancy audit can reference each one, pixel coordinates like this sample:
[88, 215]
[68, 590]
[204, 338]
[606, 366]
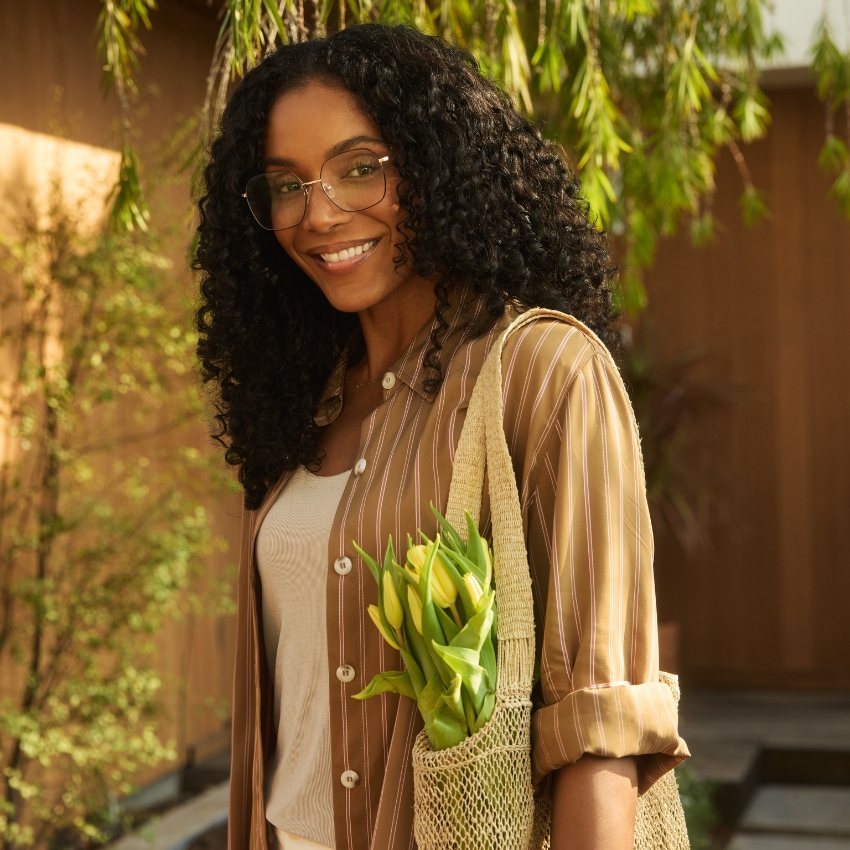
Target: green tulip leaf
[416, 644]
[465, 662]
[389, 556]
[447, 624]
[409, 579]
[453, 699]
[442, 725]
[450, 535]
[475, 632]
[371, 563]
[391, 681]
[487, 657]
[475, 551]
[417, 680]
[431, 629]
[485, 714]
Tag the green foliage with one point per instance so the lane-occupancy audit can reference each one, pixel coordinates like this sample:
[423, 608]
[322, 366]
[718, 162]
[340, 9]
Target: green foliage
[118, 49]
[128, 210]
[642, 94]
[102, 524]
[832, 73]
[700, 813]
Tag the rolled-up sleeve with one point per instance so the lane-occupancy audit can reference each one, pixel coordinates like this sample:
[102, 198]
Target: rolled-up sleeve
[590, 551]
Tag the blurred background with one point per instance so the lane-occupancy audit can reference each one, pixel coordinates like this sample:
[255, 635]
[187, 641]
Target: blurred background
[712, 139]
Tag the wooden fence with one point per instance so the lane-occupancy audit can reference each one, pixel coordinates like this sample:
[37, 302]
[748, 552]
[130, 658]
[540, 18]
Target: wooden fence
[767, 604]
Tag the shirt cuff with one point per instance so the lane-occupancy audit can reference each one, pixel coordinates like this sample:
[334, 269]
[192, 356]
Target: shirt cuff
[613, 721]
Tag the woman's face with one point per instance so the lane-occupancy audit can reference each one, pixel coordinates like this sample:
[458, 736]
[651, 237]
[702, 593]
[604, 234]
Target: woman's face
[306, 127]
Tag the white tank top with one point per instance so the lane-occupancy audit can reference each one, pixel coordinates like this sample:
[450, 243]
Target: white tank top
[292, 558]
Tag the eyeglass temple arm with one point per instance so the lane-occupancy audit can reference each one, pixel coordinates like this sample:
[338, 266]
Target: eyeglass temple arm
[311, 182]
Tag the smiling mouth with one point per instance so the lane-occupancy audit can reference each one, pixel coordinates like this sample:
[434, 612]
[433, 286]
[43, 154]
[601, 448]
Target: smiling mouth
[348, 253]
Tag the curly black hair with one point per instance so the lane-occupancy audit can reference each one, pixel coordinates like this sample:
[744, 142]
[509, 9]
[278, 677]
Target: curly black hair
[487, 201]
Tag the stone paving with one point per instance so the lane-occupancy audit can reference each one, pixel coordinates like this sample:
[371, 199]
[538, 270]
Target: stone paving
[730, 733]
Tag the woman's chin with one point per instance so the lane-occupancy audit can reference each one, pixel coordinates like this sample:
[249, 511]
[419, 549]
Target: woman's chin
[352, 296]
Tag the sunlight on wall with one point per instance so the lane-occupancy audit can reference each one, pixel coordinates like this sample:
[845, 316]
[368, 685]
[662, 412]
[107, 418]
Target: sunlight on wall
[34, 165]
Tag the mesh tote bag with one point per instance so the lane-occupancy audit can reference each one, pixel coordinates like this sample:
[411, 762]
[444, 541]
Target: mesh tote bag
[478, 795]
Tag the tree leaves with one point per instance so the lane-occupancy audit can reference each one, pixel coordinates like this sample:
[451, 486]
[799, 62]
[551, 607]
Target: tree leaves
[643, 96]
[832, 74]
[104, 525]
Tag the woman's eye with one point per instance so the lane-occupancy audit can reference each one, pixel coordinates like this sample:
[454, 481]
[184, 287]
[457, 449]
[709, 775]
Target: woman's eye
[363, 170]
[288, 188]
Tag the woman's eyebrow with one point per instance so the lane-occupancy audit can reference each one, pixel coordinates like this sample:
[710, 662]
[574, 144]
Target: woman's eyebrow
[353, 142]
[339, 147]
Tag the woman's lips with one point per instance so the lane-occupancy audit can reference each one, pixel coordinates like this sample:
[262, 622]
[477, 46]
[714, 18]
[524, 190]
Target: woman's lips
[345, 259]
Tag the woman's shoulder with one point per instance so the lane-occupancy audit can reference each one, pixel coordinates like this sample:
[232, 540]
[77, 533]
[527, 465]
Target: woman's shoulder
[550, 349]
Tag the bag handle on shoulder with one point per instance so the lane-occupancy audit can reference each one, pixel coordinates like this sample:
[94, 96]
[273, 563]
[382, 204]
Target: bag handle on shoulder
[483, 445]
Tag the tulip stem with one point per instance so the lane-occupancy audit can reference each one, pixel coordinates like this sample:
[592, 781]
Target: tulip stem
[400, 637]
[455, 615]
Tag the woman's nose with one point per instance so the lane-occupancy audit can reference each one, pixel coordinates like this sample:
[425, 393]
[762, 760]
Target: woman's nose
[322, 213]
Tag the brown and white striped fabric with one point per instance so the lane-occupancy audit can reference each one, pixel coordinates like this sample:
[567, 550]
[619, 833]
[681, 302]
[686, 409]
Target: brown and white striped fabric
[578, 466]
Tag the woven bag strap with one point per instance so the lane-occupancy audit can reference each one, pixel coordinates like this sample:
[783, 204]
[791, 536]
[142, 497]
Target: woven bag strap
[483, 445]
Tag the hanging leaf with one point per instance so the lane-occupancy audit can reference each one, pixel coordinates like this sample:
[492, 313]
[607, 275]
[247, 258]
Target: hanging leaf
[391, 682]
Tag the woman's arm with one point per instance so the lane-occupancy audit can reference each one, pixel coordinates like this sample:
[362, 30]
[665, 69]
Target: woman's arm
[593, 805]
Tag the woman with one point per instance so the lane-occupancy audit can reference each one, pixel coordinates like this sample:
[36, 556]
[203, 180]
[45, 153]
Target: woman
[376, 212]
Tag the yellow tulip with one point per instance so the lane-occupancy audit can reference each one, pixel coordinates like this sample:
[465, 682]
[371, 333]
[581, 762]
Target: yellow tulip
[442, 586]
[415, 602]
[488, 559]
[376, 619]
[392, 604]
[416, 557]
[474, 588]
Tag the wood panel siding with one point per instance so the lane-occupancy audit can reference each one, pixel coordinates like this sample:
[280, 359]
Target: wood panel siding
[768, 603]
[51, 85]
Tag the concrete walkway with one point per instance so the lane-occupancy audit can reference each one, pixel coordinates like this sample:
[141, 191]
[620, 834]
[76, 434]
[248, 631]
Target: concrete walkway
[781, 761]
[178, 827]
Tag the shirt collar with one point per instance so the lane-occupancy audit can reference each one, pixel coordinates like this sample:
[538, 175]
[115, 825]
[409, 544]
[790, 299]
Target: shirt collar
[465, 305]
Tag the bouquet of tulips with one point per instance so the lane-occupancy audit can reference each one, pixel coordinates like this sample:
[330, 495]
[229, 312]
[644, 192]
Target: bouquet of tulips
[439, 611]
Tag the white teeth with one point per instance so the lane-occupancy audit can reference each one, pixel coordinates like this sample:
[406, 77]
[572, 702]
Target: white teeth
[348, 253]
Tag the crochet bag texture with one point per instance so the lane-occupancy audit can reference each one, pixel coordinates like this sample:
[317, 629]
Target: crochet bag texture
[478, 795]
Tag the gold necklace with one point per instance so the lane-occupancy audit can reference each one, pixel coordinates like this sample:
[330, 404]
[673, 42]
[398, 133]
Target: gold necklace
[364, 384]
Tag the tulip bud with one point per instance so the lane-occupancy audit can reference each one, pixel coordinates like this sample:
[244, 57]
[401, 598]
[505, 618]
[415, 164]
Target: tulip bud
[416, 557]
[376, 619]
[442, 586]
[473, 587]
[415, 602]
[392, 604]
[488, 561]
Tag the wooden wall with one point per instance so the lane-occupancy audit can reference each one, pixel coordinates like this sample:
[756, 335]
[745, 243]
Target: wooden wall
[768, 603]
[51, 85]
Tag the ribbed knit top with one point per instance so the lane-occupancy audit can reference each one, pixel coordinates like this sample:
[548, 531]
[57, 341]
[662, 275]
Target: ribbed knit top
[292, 550]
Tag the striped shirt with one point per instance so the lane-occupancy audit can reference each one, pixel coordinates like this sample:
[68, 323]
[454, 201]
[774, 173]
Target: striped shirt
[570, 430]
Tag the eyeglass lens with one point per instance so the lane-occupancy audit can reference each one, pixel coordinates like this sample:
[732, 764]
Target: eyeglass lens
[353, 180]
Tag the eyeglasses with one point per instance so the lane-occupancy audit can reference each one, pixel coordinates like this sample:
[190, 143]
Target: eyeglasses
[353, 181]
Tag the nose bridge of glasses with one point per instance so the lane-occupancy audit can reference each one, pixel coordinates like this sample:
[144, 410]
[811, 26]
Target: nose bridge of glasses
[327, 188]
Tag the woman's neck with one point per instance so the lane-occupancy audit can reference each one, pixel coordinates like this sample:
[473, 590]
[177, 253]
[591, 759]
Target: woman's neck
[390, 326]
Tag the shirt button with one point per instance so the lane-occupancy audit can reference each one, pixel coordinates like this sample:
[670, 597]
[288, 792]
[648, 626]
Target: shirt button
[345, 673]
[388, 381]
[349, 779]
[342, 565]
[360, 466]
